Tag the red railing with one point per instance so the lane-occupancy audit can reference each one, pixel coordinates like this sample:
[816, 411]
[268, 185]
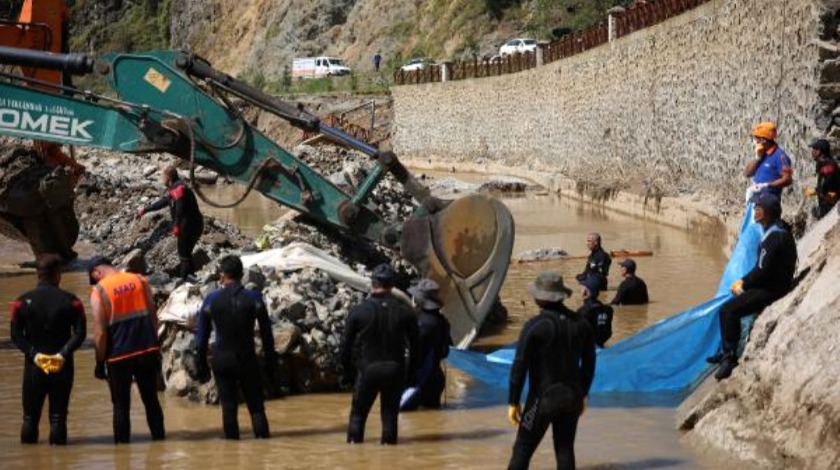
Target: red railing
[641, 15]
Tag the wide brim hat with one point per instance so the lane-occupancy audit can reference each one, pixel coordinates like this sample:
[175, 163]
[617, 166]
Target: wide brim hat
[426, 294]
[549, 287]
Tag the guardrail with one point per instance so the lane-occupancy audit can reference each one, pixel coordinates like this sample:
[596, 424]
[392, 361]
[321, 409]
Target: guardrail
[620, 22]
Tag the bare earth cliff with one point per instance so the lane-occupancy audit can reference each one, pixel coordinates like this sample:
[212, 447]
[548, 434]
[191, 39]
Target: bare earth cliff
[781, 407]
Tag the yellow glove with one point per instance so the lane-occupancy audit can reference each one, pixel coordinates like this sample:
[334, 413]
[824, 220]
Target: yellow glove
[582, 407]
[737, 287]
[55, 363]
[514, 414]
[810, 192]
[43, 362]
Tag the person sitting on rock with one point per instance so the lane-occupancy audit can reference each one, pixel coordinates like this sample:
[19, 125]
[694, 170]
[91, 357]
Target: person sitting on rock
[433, 347]
[233, 311]
[187, 221]
[769, 280]
[380, 330]
[598, 315]
[598, 263]
[632, 290]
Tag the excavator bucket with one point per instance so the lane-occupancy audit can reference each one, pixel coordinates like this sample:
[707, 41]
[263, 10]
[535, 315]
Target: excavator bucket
[466, 249]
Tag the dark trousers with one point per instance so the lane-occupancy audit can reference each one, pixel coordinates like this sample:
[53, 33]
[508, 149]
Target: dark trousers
[531, 431]
[230, 377]
[144, 371]
[186, 243]
[37, 386]
[432, 389]
[752, 301]
[387, 380]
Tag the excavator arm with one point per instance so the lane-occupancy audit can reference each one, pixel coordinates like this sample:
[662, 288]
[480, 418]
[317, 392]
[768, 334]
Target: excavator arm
[177, 103]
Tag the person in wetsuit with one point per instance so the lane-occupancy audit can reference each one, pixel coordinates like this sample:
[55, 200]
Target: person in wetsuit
[48, 325]
[187, 221]
[597, 263]
[599, 316]
[556, 352]
[433, 344]
[827, 190]
[381, 330]
[632, 290]
[768, 281]
[127, 349]
[233, 311]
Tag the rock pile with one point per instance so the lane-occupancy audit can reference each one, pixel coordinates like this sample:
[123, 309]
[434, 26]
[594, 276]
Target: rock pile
[307, 307]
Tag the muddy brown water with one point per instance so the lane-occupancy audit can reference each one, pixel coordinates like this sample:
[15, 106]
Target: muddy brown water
[308, 431]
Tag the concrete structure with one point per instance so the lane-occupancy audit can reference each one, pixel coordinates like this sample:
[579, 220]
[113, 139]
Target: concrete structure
[665, 111]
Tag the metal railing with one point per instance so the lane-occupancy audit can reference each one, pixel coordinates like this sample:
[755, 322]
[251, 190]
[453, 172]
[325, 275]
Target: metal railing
[640, 16]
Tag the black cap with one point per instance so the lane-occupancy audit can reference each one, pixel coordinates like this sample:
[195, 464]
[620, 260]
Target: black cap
[95, 262]
[629, 264]
[822, 145]
[769, 201]
[383, 275]
[592, 284]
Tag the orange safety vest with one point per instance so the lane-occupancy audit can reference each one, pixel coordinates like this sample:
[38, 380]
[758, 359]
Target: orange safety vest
[128, 315]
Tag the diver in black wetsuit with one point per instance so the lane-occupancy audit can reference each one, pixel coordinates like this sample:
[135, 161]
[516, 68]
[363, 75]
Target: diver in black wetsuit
[597, 263]
[380, 330]
[48, 325]
[233, 311]
[599, 316]
[770, 280]
[556, 351]
[187, 221]
[432, 347]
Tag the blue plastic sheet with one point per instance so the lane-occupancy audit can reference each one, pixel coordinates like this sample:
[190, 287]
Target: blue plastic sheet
[667, 358]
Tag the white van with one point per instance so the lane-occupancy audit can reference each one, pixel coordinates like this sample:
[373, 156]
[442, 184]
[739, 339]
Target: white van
[317, 67]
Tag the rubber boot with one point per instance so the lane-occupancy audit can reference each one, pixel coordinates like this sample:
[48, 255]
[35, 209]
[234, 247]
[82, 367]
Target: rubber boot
[727, 365]
[259, 422]
[716, 358]
[29, 430]
[58, 430]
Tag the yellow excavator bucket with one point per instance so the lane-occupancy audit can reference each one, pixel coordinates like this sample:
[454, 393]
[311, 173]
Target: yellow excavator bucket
[466, 249]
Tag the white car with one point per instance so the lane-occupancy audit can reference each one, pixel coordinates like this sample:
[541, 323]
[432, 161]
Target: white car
[518, 46]
[414, 64]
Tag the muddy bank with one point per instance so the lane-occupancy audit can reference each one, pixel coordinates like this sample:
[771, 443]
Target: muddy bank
[781, 407]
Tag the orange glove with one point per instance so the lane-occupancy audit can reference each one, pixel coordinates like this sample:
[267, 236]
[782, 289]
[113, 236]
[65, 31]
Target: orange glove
[810, 192]
[176, 230]
[737, 287]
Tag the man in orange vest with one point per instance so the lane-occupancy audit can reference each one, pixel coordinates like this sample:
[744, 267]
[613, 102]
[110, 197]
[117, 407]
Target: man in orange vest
[125, 337]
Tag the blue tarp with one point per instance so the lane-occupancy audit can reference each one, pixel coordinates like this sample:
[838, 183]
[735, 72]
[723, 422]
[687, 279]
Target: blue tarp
[667, 358]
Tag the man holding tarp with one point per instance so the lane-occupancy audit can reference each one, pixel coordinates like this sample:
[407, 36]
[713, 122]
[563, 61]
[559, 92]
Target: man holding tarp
[769, 280]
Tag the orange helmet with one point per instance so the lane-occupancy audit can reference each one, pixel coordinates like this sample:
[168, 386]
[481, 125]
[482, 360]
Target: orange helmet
[765, 130]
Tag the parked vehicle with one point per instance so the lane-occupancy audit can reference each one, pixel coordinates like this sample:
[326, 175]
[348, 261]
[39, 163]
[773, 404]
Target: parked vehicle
[415, 64]
[317, 67]
[518, 46]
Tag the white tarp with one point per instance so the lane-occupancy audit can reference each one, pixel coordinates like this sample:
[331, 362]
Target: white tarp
[185, 301]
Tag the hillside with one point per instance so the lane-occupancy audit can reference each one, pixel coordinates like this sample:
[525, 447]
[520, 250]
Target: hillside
[253, 37]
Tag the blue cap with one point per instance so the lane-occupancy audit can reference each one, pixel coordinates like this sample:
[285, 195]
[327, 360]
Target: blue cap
[384, 274]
